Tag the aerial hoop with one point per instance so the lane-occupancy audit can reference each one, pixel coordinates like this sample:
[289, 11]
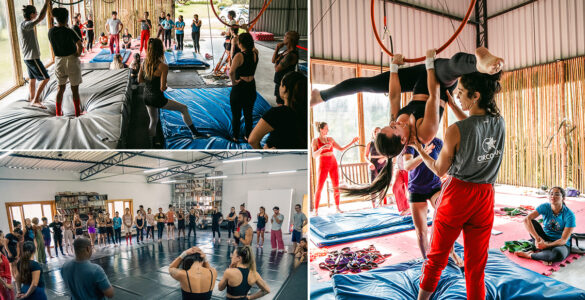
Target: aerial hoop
[439, 50]
[341, 163]
[250, 24]
[67, 4]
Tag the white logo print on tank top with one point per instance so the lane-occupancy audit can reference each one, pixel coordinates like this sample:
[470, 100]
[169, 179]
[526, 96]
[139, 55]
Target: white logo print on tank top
[487, 145]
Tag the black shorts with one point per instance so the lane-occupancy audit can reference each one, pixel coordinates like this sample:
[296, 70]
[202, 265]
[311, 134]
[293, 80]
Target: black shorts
[170, 224]
[36, 69]
[102, 230]
[419, 198]
[158, 101]
[181, 224]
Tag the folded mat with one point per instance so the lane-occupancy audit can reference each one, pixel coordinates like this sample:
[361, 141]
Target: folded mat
[105, 96]
[106, 56]
[211, 114]
[352, 226]
[184, 59]
[504, 280]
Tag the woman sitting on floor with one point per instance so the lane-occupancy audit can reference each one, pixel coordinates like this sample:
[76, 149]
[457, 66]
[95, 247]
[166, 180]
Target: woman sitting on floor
[559, 223]
[197, 277]
[287, 124]
[103, 41]
[242, 275]
[117, 63]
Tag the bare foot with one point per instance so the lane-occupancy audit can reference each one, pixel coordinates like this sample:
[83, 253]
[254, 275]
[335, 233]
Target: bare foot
[524, 254]
[488, 63]
[460, 263]
[546, 263]
[316, 97]
[316, 213]
[38, 104]
[339, 211]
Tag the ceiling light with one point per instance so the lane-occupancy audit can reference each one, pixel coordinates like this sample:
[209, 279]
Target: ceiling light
[216, 177]
[169, 181]
[282, 172]
[155, 170]
[227, 161]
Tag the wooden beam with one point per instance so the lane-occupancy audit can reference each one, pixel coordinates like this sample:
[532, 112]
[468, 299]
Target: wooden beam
[360, 107]
[13, 35]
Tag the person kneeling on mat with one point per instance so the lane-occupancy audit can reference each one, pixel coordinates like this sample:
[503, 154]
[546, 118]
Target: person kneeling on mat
[198, 279]
[154, 74]
[553, 240]
[67, 46]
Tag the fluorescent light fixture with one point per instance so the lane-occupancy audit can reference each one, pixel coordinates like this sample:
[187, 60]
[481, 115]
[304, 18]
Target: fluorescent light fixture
[282, 172]
[5, 154]
[155, 170]
[227, 161]
[216, 177]
[169, 181]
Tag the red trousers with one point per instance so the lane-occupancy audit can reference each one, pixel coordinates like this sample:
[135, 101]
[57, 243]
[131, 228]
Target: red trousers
[144, 36]
[114, 38]
[468, 207]
[399, 190]
[327, 166]
[276, 240]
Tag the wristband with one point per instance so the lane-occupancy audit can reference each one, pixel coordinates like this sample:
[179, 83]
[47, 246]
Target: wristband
[393, 68]
[430, 63]
[183, 255]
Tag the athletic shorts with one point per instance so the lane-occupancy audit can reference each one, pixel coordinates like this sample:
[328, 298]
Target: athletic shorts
[68, 68]
[420, 198]
[36, 69]
[170, 224]
[128, 229]
[260, 229]
[296, 236]
[91, 230]
[47, 242]
[102, 230]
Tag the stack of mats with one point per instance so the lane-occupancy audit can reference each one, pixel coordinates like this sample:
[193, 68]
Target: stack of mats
[106, 56]
[353, 226]
[184, 59]
[504, 280]
[262, 36]
[211, 113]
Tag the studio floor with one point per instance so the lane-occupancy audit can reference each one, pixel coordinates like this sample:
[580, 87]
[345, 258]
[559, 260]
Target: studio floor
[141, 270]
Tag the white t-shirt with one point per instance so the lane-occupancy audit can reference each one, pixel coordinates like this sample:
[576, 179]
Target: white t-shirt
[114, 25]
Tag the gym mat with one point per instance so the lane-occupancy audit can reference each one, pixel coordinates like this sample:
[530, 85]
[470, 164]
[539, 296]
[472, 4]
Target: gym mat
[106, 56]
[211, 114]
[185, 59]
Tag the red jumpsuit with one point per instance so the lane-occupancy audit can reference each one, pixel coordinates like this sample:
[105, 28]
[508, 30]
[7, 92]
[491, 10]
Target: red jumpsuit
[327, 166]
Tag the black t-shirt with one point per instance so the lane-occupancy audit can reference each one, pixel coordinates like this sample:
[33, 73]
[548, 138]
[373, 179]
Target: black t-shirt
[290, 132]
[89, 24]
[77, 29]
[35, 266]
[192, 219]
[12, 243]
[231, 215]
[215, 219]
[126, 38]
[56, 228]
[63, 40]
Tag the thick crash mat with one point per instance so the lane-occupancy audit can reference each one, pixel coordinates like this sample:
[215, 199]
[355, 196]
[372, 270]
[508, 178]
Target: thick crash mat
[106, 56]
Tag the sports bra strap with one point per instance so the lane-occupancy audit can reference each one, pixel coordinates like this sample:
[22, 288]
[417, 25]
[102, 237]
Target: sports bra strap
[210, 280]
[189, 282]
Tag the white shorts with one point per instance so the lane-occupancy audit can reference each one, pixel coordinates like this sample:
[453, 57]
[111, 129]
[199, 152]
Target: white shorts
[68, 67]
[127, 229]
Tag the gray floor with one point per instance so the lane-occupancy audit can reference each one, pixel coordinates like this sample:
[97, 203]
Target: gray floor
[573, 273]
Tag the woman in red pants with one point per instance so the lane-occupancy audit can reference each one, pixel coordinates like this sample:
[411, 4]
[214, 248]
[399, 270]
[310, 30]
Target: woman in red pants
[323, 149]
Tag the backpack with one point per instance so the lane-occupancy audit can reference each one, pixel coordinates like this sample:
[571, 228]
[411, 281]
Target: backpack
[577, 243]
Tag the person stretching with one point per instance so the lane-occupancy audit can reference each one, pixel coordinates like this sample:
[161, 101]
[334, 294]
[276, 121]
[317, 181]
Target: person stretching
[553, 239]
[31, 53]
[67, 47]
[471, 155]
[323, 146]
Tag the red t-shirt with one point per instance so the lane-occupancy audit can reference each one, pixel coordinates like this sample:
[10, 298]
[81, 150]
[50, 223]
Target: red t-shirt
[5, 269]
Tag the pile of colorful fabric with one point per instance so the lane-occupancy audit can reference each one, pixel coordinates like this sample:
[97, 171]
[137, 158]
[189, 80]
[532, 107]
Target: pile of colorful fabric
[346, 260]
[522, 210]
[317, 252]
[518, 246]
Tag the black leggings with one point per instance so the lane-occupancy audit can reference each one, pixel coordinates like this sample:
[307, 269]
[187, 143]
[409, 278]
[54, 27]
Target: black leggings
[118, 234]
[150, 230]
[58, 243]
[242, 96]
[167, 38]
[139, 234]
[193, 228]
[231, 229]
[214, 230]
[180, 38]
[195, 36]
[160, 227]
[110, 232]
[412, 79]
[90, 38]
[553, 254]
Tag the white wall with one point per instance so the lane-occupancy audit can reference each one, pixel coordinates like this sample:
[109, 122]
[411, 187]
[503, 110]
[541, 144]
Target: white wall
[235, 187]
[42, 185]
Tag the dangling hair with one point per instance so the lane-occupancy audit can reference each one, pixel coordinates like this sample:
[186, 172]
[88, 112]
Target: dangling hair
[154, 56]
[117, 63]
[245, 252]
[389, 147]
[24, 272]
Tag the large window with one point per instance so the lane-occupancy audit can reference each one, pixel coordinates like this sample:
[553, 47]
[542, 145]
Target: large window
[7, 78]
[42, 30]
[19, 211]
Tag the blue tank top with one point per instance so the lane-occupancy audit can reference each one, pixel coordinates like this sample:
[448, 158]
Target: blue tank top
[195, 28]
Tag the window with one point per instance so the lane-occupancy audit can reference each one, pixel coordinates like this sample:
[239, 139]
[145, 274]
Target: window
[119, 206]
[42, 30]
[7, 78]
[376, 113]
[18, 211]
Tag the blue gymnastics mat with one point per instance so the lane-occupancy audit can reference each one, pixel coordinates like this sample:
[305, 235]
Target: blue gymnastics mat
[184, 59]
[504, 280]
[211, 113]
[352, 226]
[106, 56]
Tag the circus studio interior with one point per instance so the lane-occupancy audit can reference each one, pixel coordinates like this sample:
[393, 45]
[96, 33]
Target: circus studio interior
[384, 246]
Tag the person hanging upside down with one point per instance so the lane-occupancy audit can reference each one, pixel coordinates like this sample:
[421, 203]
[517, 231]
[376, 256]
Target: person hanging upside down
[552, 240]
[471, 155]
[448, 70]
[323, 150]
[375, 161]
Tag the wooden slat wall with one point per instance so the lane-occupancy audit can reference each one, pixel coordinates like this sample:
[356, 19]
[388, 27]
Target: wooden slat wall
[545, 121]
[130, 11]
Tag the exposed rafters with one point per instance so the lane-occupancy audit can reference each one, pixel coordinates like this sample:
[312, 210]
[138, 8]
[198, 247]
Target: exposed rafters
[18, 155]
[161, 158]
[203, 162]
[105, 164]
